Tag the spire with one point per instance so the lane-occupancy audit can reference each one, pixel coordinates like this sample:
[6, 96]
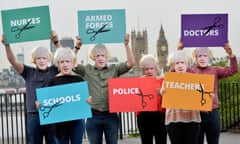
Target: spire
[161, 30]
[161, 34]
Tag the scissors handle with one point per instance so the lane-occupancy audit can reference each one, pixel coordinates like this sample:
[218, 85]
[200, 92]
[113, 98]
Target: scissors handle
[17, 36]
[45, 115]
[14, 29]
[150, 96]
[217, 19]
[92, 38]
[144, 104]
[90, 31]
[203, 101]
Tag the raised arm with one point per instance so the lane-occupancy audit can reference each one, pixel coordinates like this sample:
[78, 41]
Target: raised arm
[55, 40]
[180, 45]
[78, 44]
[228, 49]
[11, 57]
[130, 57]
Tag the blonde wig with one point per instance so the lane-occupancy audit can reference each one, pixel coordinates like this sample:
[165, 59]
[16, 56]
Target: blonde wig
[149, 59]
[179, 55]
[62, 53]
[99, 48]
[197, 51]
[40, 51]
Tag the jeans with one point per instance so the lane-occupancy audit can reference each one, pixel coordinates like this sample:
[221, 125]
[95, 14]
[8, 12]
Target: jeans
[36, 131]
[69, 132]
[210, 126]
[152, 126]
[183, 133]
[99, 124]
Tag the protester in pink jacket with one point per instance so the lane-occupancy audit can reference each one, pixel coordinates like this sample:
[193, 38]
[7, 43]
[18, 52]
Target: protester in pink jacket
[210, 125]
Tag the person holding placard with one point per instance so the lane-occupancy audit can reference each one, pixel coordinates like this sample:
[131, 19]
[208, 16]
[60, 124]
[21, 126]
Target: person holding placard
[210, 125]
[151, 124]
[182, 125]
[97, 75]
[35, 77]
[69, 131]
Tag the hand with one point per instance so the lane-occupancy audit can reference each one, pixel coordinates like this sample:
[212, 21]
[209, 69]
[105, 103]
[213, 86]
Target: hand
[37, 104]
[126, 38]
[162, 91]
[78, 41]
[180, 45]
[228, 49]
[89, 99]
[158, 90]
[54, 37]
[4, 40]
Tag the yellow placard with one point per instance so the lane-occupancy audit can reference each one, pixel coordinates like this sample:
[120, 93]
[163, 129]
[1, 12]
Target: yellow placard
[188, 91]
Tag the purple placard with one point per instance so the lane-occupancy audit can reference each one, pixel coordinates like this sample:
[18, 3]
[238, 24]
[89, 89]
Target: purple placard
[204, 30]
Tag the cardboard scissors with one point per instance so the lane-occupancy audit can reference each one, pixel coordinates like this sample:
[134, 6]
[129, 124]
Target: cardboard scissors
[20, 30]
[47, 109]
[201, 90]
[214, 25]
[144, 103]
[95, 33]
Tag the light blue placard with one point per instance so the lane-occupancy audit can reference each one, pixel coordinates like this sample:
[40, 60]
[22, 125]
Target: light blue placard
[63, 103]
[26, 24]
[112, 22]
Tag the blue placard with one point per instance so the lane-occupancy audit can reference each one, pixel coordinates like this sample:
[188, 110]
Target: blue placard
[63, 103]
[26, 24]
[102, 26]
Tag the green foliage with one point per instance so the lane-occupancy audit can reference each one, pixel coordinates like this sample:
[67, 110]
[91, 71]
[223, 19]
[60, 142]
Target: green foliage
[234, 78]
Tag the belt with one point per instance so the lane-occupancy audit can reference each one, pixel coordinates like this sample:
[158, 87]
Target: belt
[99, 112]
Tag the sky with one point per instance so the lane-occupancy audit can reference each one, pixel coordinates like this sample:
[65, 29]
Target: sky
[140, 15]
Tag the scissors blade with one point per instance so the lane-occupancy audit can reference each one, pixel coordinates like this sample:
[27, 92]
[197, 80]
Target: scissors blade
[30, 27]
[105, 30]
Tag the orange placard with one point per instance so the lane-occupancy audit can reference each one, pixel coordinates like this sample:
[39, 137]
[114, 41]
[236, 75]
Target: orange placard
[133, 94]
[188, 91]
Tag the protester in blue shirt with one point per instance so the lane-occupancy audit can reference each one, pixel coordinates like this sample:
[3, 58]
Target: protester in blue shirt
[35, 77]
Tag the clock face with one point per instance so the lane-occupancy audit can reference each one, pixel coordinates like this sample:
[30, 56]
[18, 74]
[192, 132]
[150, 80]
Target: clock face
[163, 48]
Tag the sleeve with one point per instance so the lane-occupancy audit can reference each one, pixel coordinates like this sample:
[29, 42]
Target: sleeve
[80, 69]
[122, 68]
[228, 71]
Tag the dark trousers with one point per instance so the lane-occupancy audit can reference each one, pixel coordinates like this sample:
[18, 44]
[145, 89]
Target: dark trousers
[151, 126]
[37, 132]
[103, 123]
[183, 133]
[210, 126]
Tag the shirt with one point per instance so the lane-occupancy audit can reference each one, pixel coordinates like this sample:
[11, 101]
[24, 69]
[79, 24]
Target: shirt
[180, 115]
[35, 78]
[98, 82]
[219, 73]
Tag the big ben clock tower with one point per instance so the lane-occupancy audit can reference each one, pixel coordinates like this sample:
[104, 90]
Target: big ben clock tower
[162, 50]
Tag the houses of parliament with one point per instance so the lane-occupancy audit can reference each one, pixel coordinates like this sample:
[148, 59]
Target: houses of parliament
[140, 47]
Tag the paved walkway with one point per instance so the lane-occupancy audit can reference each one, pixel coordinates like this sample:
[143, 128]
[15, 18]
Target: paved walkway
[225, 138]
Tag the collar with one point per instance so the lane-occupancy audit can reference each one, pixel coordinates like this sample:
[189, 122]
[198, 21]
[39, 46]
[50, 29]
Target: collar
[46, 70]
[102, 68]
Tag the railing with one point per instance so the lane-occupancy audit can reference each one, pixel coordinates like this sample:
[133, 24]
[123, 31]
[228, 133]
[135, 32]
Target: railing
[13, 124]
[229, 102]
[12, 119]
